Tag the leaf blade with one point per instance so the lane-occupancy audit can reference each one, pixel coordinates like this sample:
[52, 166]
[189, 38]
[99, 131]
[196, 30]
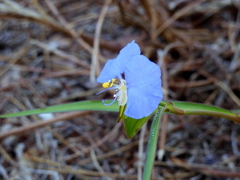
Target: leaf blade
[76, 106]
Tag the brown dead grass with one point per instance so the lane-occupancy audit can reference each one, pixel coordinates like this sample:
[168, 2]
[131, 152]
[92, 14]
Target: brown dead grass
[52, 51]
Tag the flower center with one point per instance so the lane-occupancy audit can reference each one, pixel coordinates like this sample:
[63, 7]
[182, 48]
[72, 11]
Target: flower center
[120, 87]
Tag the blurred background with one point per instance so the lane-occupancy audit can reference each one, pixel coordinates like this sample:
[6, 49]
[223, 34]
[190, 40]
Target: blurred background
[51, 52]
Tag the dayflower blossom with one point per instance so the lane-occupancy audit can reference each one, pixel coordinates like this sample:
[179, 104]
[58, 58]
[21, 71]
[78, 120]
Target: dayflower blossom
[136, 79]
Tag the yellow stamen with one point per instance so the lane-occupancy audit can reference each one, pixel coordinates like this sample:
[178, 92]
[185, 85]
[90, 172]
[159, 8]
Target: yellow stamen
[108, 84]
[113, 80]
[120, 87]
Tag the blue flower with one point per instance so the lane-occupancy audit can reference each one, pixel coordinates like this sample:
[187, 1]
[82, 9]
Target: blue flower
[136, 79]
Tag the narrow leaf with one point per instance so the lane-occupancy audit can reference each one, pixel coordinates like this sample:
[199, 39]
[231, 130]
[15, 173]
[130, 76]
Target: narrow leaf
[77, 106]
[187, 108]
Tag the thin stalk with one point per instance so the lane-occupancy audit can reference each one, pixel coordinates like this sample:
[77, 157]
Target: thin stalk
[152, 144]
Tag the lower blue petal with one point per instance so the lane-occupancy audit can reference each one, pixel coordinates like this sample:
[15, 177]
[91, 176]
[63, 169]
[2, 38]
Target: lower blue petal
[144, 91]
[142, 103]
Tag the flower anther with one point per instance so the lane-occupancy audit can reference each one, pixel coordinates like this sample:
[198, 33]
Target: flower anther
[120, 87]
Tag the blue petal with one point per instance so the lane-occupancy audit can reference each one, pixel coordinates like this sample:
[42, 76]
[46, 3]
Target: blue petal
[141, 103]
[131, 49]
[115, 67]
[111, 70]
[144, 87]
[142, 77]
[141, 72]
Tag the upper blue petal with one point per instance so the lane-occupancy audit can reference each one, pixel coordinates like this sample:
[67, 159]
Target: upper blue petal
[111, 70]
[131, 49]
[144, 91]
[141, 72]
[115, 67]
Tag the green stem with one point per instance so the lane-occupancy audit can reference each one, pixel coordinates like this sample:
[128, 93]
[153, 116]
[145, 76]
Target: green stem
[152, 144]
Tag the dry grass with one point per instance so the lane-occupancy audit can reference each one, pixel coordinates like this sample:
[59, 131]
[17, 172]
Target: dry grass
[52, 51]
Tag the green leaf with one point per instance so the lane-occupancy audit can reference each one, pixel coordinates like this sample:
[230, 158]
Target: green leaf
[77, 106]
[132, 126]
[187, 108]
